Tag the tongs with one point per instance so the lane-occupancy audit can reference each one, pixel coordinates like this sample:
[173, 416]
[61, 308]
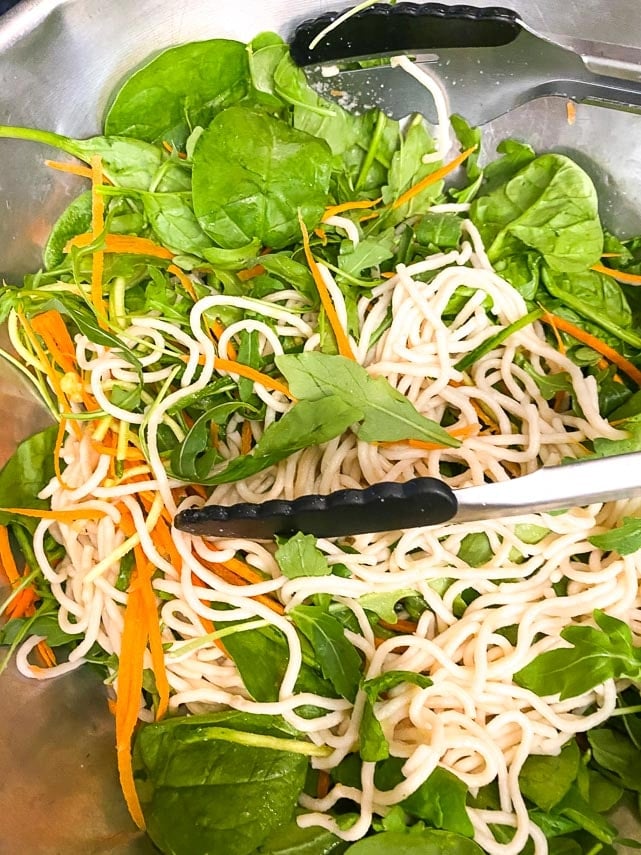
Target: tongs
[488, 59]
[421, 502]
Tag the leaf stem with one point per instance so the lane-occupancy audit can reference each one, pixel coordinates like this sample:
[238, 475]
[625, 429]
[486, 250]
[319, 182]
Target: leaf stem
[259, 740]
[370, 157]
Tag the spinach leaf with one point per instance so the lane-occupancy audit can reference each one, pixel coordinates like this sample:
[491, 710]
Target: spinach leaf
[545, 780]
[232, 259]
[307, 423]
[549, 205]
[23, 476]
[596, 655]
[439, 801]
[423, 842]
[516, 155]
[441, 230]
[614, 752]
[575, 808]
[293, 840]
[387, 414]
[624, 539]
[607, 447]
[174, 223]
[373, 744]
[299, 556]
[261, 657]
[382, 604]
[522, 271]
[295, 274]
[182, 87]
[265, 53]
[205, 794]
[45, 624]
[252, 175]
[336, 656]
[74, 220]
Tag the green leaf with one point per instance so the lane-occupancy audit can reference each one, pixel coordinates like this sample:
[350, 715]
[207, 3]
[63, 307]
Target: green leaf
[614, 752]
[387, 414]
[377, 686]
[24, 475]
[575, 808]
[194, 457]
[516, 155]
[172, 218]
[407, 169]
[233, 259]
[441, 230]
[265, 53]
[337, 658]
[596, 655]
[307, 423]
[550, 205]
[497, 339]
[624, 539]
[299, 556]
[252, 176]
[545, 780]
[293, 840]
[292, 272]
[180, 88]
[382, 604]
[210, 795]
[424, 842]
[74, 220]
[369, 253]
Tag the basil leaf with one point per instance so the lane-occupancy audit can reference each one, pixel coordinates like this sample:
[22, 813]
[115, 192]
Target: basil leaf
[424, 842]
[624, 539]
[299, 556]
[336, 656]
[23, 476]
[545, 780]
[387, 414]
[550, 205]
[307, 423]
[253, 174]
[201, 794]
[180, 88]
[596, 655]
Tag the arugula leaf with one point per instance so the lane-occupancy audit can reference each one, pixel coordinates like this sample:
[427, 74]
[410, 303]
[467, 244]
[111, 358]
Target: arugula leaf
[596, 655]
[307, 423]
[204, 794]
[545, 780]
[299, 556]
[407, 169]
[193, 458]
[369, 253]
[550, 205]
[423, 842]
[295, 274]
[253, 174]
[23, 476]
[624, 539]
[387, 415]
[441, 230]
[337, 657]
[373, 744]
[182, 87]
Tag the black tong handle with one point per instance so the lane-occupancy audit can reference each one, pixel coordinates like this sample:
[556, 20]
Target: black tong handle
[383, 507]
[405, 27]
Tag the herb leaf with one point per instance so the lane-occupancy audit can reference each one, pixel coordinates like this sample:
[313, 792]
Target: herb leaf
[424, 842]
[388, 415]
[299, 556]
[24, 475]
[624, 539]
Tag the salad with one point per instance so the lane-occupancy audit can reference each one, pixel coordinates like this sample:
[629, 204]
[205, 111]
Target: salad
[263, 295]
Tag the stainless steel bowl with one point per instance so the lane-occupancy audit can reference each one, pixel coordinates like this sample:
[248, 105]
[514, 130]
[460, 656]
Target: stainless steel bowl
[59, 59]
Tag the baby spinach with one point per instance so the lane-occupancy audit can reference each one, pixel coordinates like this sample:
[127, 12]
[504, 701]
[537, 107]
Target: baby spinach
[596, 655]
[614, 752]
[382, 604]
[624, 539]
[203, 790]
[545, 780]
[550, 205]
[253, 174]
[74, 220]
[421, 842]
[293, 840]
[265, 53]
[182, 87]
[299, 556]
[336, 656]
[386, 415]
[373, 744]
[441, 230]
[23, 476]
[174, 223]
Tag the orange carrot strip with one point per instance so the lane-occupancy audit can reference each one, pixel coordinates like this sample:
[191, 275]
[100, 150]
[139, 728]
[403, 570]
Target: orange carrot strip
[218, 329]
[333, 210]
[390, 274]
[570, 110]
[251, 273]
[72, 168]
[596, 344]
[251, 374]
[51, 328]
[619, 275]
[227, 575]
[97, 226]
[246, 437]
[57, 449]
[7, 561]
[404, 626]
[145, 573]
[367, 217]
[184, 280]
[130, 675]
[244, 571]
[342, 341]
[129, 244]
[433, 177]
[321, 234]
[59, 516]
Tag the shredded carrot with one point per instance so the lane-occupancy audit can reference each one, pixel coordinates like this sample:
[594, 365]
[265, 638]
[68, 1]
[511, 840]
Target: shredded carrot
[570, 109]
[145, 572]
[557, 335]
[130, 676]
[218, 329]
[333, 210]
[59, 516]
[321, 235]
[72, 168]
[129, 244]
[619, 275]
[170, 148]
[433, 177]
[240, 568]
[246, 437]
[236, 572]
[251, 273]
[342, 341]
[97, 227]
[367, 217]
[184, 280]
[51, 328]
[405, 626]
[252, 374]
[596, 344]
[7, 561]
[460, 432]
